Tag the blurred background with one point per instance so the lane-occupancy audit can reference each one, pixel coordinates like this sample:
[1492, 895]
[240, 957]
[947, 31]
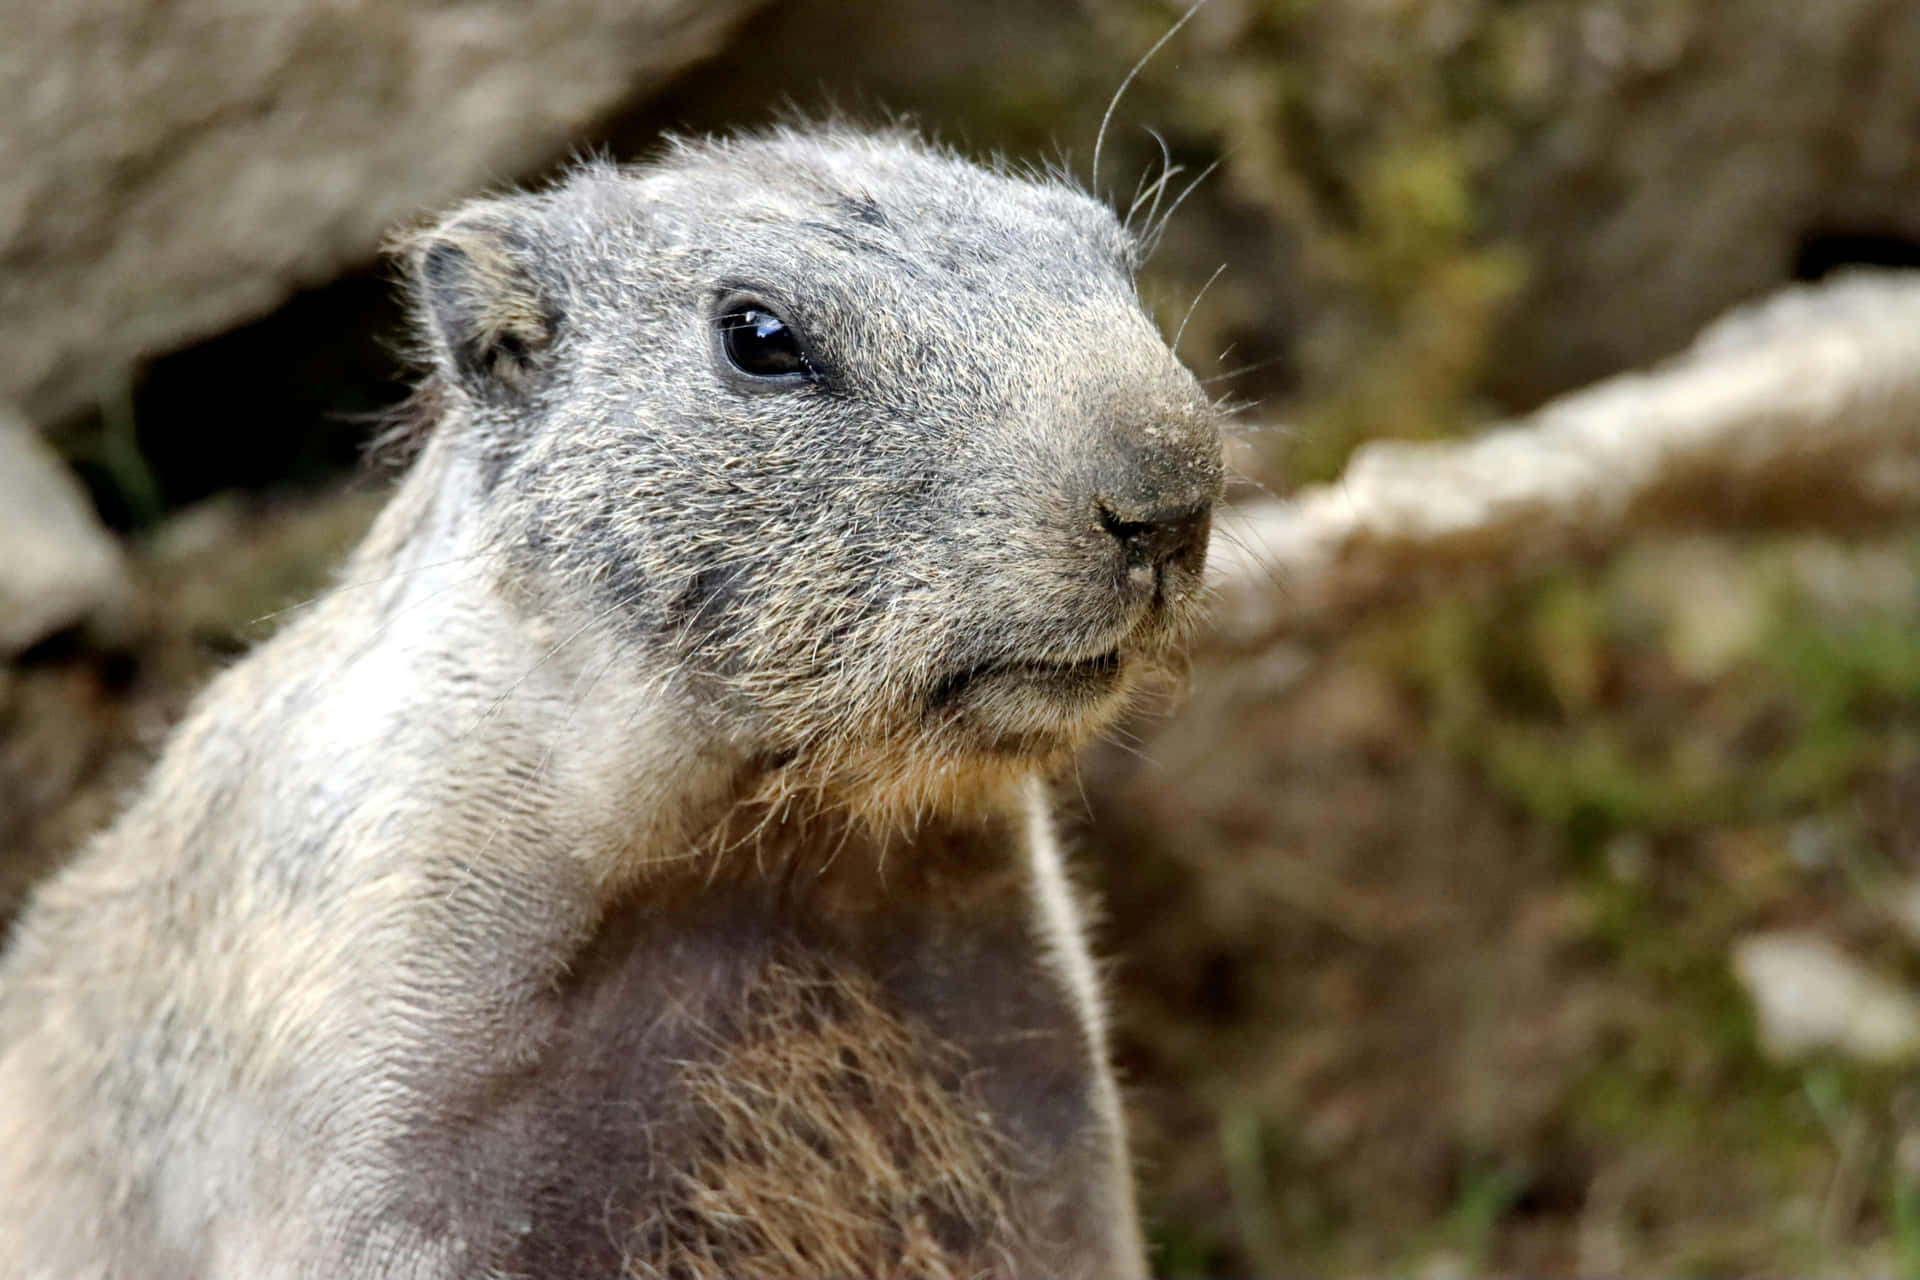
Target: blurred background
[1555, 912]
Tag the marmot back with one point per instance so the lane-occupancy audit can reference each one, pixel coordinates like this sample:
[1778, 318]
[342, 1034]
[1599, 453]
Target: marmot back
[638, 864]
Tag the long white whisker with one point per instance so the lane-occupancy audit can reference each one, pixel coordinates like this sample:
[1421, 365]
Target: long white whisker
[1099, 138]
[1192, 306]
[1159, 228]
[501, 700]
[364, 583]
[1167, 170]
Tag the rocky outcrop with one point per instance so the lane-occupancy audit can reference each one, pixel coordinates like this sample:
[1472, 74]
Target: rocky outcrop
[1803, 409]
[168, 170]
[1686, 156]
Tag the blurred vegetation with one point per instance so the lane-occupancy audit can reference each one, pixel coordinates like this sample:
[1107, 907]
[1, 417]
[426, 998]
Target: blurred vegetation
[1620, 769]
[1366, 135]
[1714, 739]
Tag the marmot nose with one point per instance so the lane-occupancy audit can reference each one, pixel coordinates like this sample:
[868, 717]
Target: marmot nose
[1154, 539]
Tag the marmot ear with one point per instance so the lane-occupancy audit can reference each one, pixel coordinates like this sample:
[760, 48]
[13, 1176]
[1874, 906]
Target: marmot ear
[491, 327]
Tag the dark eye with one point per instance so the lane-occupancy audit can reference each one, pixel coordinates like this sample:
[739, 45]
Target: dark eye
[760, 344]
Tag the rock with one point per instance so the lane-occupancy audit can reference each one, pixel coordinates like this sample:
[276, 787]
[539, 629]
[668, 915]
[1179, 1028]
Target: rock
[1811, 998]
[169, 168]
[58, 567]
[1686, 163]
[1804, 409]
[1904, 906]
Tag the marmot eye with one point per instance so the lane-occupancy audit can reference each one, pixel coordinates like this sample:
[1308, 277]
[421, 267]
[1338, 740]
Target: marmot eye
[759, 343]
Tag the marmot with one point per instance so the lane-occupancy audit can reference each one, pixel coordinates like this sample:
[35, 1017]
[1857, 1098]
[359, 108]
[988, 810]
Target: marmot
[638, 863]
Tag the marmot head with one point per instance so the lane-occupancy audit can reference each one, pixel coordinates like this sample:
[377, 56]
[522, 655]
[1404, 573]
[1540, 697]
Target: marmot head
[877, 447]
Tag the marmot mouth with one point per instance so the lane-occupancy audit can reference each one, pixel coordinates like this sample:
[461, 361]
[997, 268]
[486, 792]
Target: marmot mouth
[1077, 677]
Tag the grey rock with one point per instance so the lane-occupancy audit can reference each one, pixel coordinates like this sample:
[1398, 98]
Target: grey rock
[1810, 997]
[1688, 153]
[169, 169]
[58, 567]
[1806, 405]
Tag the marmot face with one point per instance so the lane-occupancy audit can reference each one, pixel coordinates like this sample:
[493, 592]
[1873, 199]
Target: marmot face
[877, 444]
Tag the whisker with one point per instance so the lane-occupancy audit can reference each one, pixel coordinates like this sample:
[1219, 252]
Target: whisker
[384, 578]
[391, 620]
[1267, 568]
[1139, 194]
[576, 699]
[1167, 170]
[1191, 306]
[506, 693]
[1159, 229]
[1080, 786]
[1100, 137]
[1240, 475]
[1252, 367]
[1112, 739]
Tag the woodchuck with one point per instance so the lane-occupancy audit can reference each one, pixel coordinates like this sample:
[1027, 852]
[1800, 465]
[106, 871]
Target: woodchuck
[639, 863]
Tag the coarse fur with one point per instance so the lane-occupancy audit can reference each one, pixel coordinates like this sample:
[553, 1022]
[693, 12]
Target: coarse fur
[638, 864]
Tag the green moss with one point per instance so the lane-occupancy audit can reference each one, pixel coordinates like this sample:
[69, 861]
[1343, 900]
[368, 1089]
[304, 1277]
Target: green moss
[1853, 686]
[1470, 1229]
[1373, 146]
[1180, 1252]
[1516, 684]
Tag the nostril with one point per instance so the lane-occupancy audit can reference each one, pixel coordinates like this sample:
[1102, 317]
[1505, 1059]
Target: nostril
[1158, 537]
[1130, 532]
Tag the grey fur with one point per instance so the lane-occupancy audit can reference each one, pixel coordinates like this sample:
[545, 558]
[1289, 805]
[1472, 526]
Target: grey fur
[650, 679]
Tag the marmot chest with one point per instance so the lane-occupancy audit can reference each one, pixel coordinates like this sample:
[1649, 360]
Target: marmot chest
[755, 1080]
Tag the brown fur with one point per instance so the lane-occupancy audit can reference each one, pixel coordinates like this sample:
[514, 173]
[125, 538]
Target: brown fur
[836, 1139]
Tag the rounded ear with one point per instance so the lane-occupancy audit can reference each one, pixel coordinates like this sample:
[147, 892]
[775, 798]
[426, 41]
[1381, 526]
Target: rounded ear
[490, 323]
